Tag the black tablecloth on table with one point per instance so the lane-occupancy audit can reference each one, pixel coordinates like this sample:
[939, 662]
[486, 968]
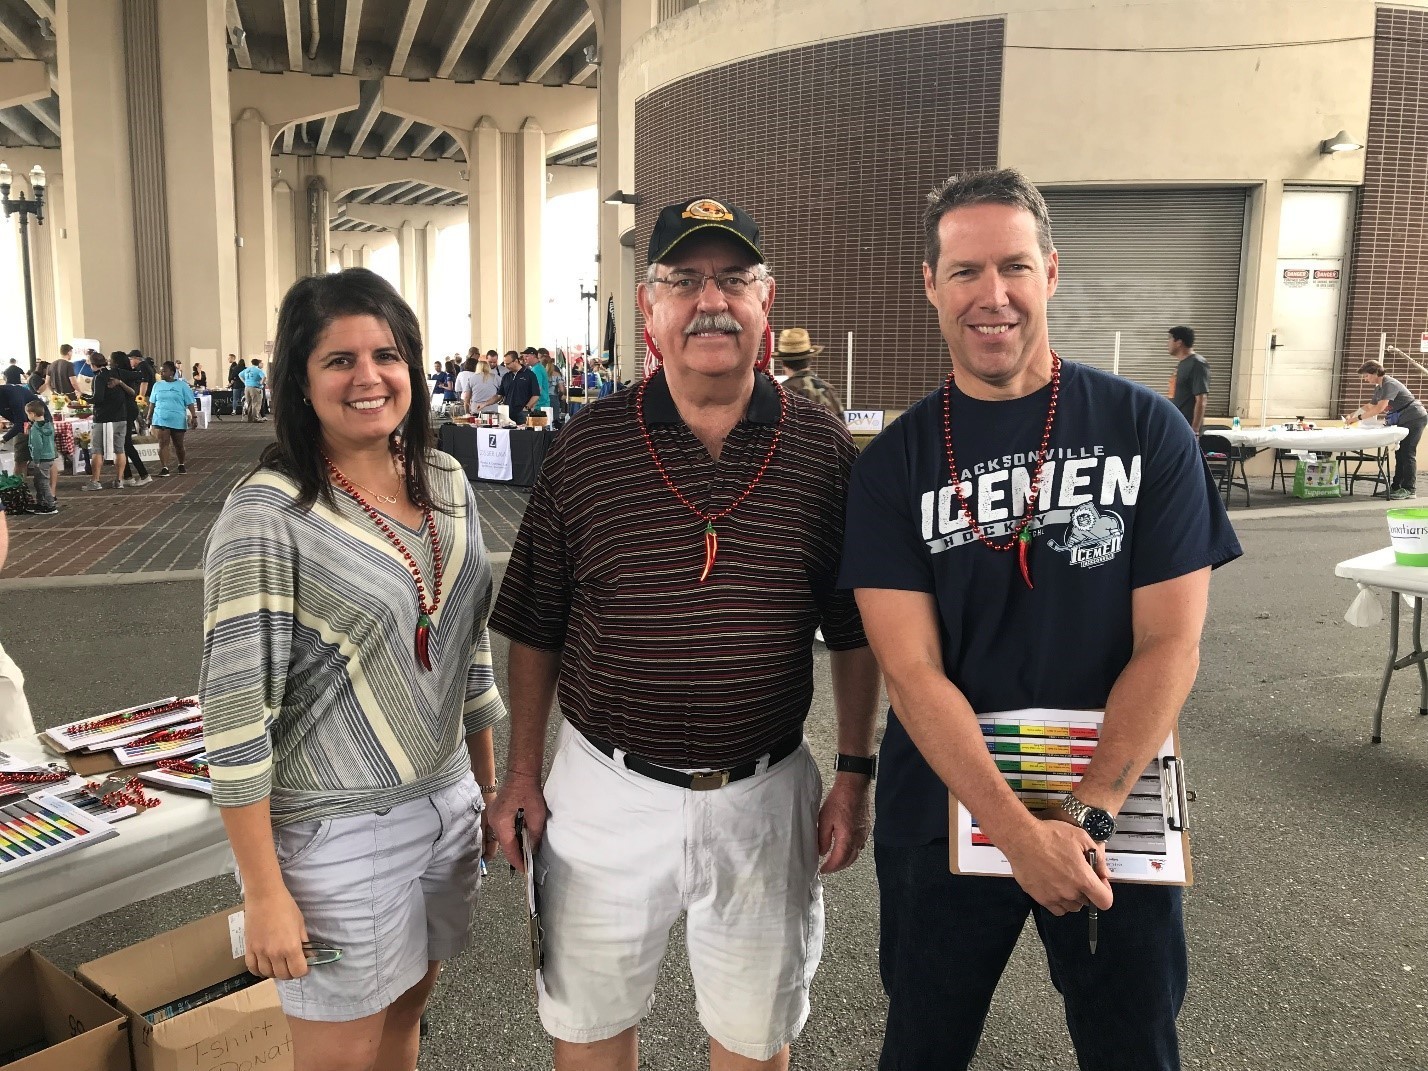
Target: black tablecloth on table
[528, 450]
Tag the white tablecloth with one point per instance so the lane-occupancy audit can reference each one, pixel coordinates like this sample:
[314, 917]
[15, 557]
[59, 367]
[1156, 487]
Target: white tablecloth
[1322, 440]
[175, 844]
[1377, 570]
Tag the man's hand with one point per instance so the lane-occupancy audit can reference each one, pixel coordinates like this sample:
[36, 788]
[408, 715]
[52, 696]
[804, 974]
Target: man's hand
[844, 822]
[274, 932]
[519, 791]
[1049, 862]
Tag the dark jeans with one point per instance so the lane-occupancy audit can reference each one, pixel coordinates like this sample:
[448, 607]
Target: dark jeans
[1405, 466]
[237, 389]
[946, 939]
[132, 454]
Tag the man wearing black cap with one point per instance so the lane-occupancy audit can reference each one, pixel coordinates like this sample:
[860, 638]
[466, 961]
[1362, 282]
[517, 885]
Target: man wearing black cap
[676, 606]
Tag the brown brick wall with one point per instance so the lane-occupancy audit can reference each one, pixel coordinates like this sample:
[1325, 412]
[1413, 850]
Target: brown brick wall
[831, 148]
[1388, 287]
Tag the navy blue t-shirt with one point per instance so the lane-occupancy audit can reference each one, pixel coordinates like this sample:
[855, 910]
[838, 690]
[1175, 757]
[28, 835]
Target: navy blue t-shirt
[1126, 501]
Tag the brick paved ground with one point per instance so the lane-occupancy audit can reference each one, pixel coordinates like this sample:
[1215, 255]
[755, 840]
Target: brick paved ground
[161, 528]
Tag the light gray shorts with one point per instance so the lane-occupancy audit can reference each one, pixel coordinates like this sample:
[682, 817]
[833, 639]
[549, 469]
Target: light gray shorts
[394, 890]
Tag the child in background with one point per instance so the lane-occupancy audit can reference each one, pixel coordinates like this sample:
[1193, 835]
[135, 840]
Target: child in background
[41, 434]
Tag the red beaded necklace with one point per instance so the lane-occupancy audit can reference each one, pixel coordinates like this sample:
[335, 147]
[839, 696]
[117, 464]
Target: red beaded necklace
[113, 721]
[711, 537]
[424, 626]
[1021, 535]
[164, 736]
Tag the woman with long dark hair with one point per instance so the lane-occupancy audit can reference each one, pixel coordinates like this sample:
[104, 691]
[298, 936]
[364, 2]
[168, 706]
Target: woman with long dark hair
[347, 688]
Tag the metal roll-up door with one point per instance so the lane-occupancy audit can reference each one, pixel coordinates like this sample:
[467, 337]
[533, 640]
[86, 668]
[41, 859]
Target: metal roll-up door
[1140, 262]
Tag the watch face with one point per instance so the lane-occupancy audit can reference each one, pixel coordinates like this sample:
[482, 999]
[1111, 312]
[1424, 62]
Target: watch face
[1098, 824]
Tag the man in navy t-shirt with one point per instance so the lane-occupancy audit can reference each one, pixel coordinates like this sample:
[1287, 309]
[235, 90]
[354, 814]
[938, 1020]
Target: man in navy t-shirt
[1094, 598]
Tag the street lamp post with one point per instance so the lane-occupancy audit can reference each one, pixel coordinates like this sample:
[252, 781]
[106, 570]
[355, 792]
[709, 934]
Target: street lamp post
[25, 207]
[588, 296]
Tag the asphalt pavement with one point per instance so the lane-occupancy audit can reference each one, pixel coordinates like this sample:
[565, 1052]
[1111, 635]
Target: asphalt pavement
[1308, 923]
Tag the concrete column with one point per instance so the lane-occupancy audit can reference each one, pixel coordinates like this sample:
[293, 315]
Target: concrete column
[615, 171]
[60, 246]
[484, 217]
[530, 144]
[284, 239]
[349, 257]
[363, 257]
[199, 165]
[257, 274]
[42, 269]
[408, 255]
[94, 139]
[428, 275]
[316, 240]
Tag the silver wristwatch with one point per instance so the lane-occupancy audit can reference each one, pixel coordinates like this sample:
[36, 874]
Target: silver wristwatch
[1096, 821]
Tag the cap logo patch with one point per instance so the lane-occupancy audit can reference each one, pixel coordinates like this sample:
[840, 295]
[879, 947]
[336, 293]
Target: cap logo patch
[708, 210]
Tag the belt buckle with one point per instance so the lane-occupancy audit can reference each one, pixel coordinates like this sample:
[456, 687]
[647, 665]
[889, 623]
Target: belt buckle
[709, 779]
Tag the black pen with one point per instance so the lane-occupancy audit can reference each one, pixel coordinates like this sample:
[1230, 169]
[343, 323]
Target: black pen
[1093, 917]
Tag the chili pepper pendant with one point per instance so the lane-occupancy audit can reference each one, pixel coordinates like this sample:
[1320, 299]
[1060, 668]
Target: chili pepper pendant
[1023, 548]
[711, 550]
[423, 641]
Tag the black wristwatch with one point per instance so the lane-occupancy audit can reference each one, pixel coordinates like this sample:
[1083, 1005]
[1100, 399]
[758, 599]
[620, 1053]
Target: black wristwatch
[859, 764]
[1097, 822]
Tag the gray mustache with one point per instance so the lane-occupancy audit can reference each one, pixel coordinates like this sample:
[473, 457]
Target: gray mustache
[720, 321]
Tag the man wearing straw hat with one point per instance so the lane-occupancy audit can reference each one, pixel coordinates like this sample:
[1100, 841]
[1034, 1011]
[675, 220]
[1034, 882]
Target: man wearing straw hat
[796, 351]
[675, 607]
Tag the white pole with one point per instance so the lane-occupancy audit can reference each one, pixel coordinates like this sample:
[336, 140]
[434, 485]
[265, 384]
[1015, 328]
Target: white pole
[1382, 345]
[1116, 360]
[848, 398]
[1264, 396]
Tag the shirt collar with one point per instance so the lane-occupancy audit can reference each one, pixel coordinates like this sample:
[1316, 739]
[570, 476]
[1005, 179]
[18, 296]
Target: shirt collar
[764, 405]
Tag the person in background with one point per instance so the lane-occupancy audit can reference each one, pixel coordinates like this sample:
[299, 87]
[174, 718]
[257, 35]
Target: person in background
[530, 357]
[523, 391]
[235, 383]
[61, 372]
[106, 436]
[444, 383]
[14, 374]
[253, 377]
[13, 399]
[1396, 404]
[556, 378]
[129, 369]
[39, 380]
[1190, 385]
[15, 717]
[175, 411]
[796, 352]
[351, 709]
[41, 437]
[84, 374]
[478, 387]
[198, 379]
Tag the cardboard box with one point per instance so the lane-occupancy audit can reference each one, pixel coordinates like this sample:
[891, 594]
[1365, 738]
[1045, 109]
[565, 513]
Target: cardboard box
[244, 1031]
[43, 1005]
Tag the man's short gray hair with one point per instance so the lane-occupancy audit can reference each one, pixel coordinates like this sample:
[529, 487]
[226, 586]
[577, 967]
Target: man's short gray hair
[1007, 186]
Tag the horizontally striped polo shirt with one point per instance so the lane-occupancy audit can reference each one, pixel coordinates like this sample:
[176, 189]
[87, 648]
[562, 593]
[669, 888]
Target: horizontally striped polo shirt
[311, 691]
[606, 569]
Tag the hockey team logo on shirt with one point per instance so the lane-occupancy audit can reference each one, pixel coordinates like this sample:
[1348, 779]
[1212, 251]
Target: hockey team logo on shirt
[1083, 500]
[1092, 537]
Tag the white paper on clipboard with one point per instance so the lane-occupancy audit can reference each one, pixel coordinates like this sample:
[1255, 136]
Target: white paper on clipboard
[1042, 752]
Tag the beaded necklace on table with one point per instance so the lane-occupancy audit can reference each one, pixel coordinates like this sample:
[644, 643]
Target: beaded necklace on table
[711, 536]
[1022, 534]
[425, 609]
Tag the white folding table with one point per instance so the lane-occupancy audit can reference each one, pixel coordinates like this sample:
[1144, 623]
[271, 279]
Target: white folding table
[1379, 571]
[175, 844]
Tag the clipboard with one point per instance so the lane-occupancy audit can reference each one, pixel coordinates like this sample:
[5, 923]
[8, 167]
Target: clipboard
[1041, 753]
[537, 935]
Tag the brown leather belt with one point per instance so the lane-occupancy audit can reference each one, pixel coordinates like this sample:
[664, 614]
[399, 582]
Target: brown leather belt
[704, 780]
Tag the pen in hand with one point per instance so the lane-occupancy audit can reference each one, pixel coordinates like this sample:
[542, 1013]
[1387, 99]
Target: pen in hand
[1093, 917]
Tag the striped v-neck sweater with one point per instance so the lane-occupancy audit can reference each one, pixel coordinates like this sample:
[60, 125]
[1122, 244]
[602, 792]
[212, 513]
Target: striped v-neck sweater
[312, 694]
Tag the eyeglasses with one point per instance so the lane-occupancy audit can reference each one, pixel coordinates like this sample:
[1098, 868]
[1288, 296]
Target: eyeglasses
[689, 284]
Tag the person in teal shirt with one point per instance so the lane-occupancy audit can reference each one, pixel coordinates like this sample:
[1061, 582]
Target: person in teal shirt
[170, 397]
[530, 357]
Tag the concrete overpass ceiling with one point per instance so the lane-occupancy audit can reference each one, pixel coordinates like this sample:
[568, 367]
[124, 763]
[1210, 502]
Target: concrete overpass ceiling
[510, 41]
[405, 193]
[34, 125]
[583, 155]
[344, 225]
[388, 135]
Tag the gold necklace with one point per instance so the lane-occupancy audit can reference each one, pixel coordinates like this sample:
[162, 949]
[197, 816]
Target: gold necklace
[390, 500]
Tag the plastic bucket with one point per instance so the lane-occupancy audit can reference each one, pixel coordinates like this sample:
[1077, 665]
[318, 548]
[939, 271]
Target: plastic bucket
[1408, 528]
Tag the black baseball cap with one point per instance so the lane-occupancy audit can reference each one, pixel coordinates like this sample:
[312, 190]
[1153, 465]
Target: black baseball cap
[678, 221]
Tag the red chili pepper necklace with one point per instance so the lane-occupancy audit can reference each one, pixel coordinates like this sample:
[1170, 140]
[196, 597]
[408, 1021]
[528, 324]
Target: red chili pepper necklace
[1021, 535]
[425, 609]
[711, 537]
